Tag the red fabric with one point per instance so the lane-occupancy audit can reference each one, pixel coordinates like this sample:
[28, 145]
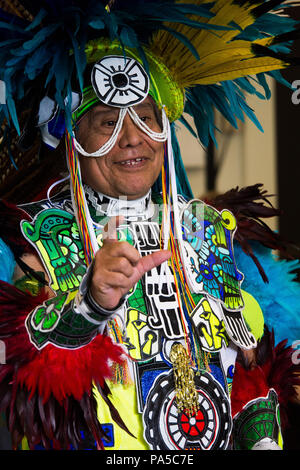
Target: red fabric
[275, 370]
[44, 192]
[52, 370]
[247, 385]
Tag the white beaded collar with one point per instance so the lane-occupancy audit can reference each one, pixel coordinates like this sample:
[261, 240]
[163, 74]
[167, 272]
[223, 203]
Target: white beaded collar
[138, 209]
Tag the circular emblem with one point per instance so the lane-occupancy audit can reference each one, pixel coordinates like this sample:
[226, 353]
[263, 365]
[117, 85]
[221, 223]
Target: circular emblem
[120, 81]
[167, 428]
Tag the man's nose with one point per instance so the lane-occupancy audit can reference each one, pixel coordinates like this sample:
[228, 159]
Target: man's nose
[130, 135]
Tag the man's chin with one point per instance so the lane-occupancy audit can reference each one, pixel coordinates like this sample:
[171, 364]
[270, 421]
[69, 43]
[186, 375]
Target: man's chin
[131, 189]
[136, 195]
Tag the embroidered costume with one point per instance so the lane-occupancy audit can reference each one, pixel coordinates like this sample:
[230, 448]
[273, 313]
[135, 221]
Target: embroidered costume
[163, 370]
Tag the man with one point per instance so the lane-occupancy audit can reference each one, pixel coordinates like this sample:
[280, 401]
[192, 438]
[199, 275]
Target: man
[137, 313]
[150, 329]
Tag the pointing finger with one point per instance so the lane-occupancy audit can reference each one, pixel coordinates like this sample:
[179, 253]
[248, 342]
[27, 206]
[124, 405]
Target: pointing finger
[149, 262]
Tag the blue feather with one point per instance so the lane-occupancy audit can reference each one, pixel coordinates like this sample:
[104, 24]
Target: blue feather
[97, 23]
[280, 297]
[244, 83]
[40, 37]
[276, 74]
[37, 20]
[7, 264]
[250, 114]
[11, 27]
[12, 109]
[188, 126]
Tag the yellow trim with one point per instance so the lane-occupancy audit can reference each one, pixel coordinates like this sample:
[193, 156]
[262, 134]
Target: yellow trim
[48, 266]
[253, 315]
[123, 397]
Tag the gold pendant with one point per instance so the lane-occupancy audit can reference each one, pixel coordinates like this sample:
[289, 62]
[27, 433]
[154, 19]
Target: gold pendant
[186, 393]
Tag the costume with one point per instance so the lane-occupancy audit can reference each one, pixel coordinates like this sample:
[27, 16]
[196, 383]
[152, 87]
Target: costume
[150, 328]
[184, 322]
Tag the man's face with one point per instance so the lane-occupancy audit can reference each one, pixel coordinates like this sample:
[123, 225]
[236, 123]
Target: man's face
[132, 166]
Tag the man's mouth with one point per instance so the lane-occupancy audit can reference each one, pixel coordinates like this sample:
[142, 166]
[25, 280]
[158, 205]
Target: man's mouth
[132, 162]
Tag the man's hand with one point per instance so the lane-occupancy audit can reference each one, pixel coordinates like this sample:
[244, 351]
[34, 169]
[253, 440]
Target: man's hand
[118, 266]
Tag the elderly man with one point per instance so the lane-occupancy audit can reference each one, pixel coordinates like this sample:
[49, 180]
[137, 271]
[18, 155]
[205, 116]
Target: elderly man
[136, 315]
[173, 392]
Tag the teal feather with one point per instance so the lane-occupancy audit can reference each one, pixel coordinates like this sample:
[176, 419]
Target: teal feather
[165, 11]
[97, 23]
[220, 102]
[232, 96]
[35, 63]
[80, 60]
[276, 74]
[128, 37]
[112, 25]
[188, 126]
[250, 114]
[37, 20]
[280, 297]
[40, 37]
[261, 78]
[201, 102]
[266, 25]
[11, 27]
[12, 109]
[9, 42]
[7, 264]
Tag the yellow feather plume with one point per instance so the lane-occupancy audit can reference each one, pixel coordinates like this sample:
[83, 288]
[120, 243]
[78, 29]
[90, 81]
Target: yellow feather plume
[221, 56]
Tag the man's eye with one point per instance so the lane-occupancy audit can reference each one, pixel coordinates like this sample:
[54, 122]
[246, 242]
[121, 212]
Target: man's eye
[110, 123]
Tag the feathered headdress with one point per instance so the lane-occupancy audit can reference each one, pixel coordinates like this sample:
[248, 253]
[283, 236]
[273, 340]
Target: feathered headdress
[199, 56]
[191, 49]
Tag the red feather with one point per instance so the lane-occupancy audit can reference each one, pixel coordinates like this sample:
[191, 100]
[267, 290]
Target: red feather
[274, 369]
[247, 385]
[52, 370]
[63, 372]
[48, 393]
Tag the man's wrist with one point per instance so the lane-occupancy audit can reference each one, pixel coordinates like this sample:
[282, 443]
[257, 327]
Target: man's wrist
[87, 306]
[93, 305]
